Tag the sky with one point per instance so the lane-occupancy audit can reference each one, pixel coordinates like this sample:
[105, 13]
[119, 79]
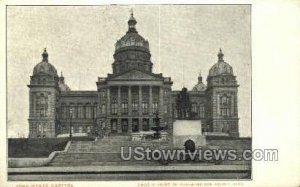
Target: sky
[183, 39]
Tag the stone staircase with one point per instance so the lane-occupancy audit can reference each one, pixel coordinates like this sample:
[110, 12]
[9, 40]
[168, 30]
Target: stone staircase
[106, 151]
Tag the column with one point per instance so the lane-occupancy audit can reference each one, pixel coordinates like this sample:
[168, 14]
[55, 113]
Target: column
[140, 108]
[232, 106]
[119, 101]
[130, 124]
[161, 104]
[108, 101]
[129, 101]
[119, 130]
[129, 110]
[150, 107]
[150, 101]
[217, 98]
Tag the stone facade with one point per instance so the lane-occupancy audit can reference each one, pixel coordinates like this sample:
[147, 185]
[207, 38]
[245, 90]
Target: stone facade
[127, 100]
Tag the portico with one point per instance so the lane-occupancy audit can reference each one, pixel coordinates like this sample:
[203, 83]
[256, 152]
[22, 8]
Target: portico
[131, 103]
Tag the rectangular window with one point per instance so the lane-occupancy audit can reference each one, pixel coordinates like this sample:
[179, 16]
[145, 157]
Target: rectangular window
[95, 111]
[145, 108]
[68, 112]
[45, 128]
[103, 109]
[63, 112]
[145, 125]
[225, 106]
[73, 111]
[114, 108]
[202, 111]
[155, 107]
[194, 107]
[80, 112]
[124, 108]
[135, 107]
[88, 112]
[40, 127]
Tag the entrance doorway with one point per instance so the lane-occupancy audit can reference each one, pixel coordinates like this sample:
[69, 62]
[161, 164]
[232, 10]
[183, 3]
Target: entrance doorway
[124, 124]
[190, 145]
[135, 125]
[114, 126]
[146, 125]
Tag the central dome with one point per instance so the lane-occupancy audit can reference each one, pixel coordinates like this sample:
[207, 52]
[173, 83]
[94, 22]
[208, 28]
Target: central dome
[132, 38]
[132, 51]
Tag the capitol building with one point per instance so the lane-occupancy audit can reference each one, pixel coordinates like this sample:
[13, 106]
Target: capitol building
[131, 98]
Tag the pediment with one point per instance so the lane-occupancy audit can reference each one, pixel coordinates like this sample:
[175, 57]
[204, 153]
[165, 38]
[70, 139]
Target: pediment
[135, 75]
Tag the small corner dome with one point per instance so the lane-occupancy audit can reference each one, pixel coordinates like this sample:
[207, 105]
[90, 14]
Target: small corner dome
[199, 87]
[221, 67]
[64, 87]
[45, 67]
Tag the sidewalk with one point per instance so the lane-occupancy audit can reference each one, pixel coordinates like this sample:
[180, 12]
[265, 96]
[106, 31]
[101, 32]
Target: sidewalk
[132, 168]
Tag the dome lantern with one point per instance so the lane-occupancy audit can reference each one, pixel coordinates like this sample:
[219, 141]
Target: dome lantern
[131, 23]
[45, 55]
[220, 56]
[200, 78]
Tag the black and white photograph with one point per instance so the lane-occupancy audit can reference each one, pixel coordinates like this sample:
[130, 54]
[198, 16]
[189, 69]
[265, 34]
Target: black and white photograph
[136, 92]
[129, 92]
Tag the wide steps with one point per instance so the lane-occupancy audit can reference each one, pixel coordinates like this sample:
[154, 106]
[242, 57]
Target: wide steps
[81, 159]
[88, 163]
[111, 145]
[105, 151]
